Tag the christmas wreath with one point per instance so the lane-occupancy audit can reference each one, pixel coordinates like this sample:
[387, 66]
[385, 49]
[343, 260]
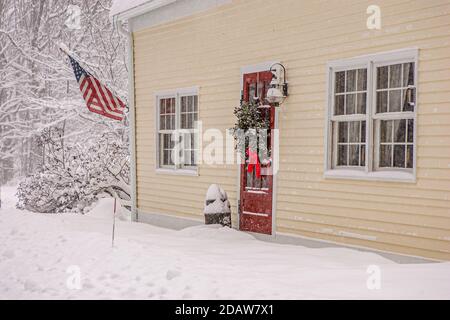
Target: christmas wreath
[250, 132]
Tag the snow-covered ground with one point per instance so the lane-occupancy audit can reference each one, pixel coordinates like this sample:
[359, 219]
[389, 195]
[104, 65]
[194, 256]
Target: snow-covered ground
[41, 257]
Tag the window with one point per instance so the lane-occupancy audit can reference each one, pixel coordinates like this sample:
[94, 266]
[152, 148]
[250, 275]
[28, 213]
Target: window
[177, 131]
[372, 116]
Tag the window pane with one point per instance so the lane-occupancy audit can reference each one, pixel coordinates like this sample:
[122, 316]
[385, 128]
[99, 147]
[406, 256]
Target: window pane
[382, 77]
[351, 81]
[351, 104]
[408, 74]
[194, 140]
[410, 157]
[386, 131]
[183, 120]
[162, 106]
[385, 156]
[354, 155]
[382, 102]
[411, 131]
[355, 131]
[162, 122]
[187, 158]
[168, 106]
[339, 105]
[400, 131]
[395, 101]
[363, 155]
[183, 104]
[170, 122]
[399, 156]
[190, 104]
[342, 155]
[395, 78]
[252, 92]
[187, 141]
[361, 103]
[196, 103]
[363, 131]
[343, 131]
[409, 99]
[362, 80]
[166, 147]
[190, 122]
[340, 82]
[249, 179]
[194, 158]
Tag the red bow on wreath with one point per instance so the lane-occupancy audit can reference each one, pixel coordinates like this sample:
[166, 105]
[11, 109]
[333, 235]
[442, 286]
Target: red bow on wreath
[253, 163]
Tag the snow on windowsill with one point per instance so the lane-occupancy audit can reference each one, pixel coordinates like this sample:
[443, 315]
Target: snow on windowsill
[390, 176]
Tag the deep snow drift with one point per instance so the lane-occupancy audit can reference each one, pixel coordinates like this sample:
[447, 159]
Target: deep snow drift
[41, 254]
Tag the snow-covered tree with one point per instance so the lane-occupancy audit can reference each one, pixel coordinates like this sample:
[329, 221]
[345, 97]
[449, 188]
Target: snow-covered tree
[39, 96]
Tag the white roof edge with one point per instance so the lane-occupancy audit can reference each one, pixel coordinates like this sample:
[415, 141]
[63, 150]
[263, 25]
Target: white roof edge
[141, 9]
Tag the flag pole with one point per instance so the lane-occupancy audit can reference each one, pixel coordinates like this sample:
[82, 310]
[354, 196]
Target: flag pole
[114, 220]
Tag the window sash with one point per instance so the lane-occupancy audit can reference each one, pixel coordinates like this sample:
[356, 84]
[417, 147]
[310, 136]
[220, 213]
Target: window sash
[372, 118]
[176, 133]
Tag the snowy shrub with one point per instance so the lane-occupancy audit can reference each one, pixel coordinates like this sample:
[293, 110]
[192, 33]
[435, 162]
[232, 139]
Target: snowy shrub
[73, 177]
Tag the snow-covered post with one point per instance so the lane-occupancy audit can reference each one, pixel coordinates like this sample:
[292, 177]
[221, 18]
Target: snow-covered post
[217, 207]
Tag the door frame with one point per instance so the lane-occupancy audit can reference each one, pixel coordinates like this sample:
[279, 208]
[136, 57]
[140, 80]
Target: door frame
[260, 67]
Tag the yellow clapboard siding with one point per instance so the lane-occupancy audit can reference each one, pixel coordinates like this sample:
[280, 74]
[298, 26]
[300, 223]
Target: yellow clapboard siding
[312, 232]
[208, 49]
[401, 214]
[372, 235]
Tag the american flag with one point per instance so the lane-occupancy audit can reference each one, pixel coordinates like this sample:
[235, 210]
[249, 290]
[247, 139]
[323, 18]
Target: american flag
[99, 98]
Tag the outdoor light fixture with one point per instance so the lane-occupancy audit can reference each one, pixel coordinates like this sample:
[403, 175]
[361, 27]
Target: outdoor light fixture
[278, 90]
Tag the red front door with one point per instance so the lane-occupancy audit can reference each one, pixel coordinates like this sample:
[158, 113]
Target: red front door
[256, 191]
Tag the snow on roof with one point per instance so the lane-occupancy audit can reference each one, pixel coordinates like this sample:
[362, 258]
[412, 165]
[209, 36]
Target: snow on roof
[120, 6]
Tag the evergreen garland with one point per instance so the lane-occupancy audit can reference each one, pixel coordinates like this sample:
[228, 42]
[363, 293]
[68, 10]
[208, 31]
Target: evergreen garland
[251, 123]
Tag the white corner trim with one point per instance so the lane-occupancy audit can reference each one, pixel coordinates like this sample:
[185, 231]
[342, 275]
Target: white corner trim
[148, 6]
[131, 117]
[166, 11]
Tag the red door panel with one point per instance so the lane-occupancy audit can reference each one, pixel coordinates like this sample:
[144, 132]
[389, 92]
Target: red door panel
[257, 192]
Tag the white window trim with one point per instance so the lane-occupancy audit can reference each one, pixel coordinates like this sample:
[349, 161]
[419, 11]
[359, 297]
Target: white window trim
[177, 94]
[368, 172]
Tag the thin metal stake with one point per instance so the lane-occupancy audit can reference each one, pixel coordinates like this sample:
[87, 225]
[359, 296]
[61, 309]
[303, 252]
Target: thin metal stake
[114, 221]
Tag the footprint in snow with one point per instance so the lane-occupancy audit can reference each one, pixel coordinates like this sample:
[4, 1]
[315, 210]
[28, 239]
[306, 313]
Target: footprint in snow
[186, 296]
[30, 285]
[9, 254]
[172, 274]
[163, 291]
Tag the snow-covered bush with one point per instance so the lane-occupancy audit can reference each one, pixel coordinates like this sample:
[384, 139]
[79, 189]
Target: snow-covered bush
[73, 177]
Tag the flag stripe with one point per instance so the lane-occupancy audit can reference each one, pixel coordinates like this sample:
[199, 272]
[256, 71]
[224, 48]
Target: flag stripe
[99, 99]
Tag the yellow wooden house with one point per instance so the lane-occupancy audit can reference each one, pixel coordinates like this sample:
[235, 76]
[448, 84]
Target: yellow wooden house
[360, 137]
